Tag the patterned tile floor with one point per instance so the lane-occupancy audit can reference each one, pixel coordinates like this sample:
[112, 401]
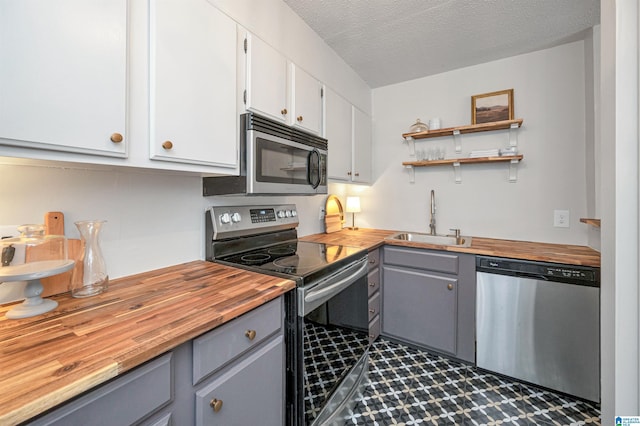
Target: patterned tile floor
[412, 387]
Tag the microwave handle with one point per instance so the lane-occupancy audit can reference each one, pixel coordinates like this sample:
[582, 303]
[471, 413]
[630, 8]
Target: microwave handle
[313, 163]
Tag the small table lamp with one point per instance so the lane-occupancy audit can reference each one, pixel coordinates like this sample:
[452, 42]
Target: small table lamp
[353, 207]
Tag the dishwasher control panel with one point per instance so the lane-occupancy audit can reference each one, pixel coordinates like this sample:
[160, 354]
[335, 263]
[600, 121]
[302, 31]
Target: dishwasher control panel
[547, 271]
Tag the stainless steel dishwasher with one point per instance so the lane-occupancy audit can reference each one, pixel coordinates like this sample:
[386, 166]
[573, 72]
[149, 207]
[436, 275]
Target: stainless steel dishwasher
[540, 323]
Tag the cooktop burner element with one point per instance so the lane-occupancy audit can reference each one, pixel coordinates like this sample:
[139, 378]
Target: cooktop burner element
[250, 259]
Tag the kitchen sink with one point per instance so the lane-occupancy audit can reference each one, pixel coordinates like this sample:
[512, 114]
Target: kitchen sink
[442, 240]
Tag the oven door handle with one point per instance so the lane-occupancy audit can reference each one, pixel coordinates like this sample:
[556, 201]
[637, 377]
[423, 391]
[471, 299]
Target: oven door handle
[335, 288]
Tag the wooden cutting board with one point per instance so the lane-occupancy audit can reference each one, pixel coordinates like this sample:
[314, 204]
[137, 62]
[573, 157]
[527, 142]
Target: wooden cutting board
[334, 215]
[54, 225]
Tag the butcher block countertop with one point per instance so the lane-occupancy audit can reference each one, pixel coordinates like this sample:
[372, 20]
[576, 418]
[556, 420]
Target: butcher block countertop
[50, 358]
[543, 252]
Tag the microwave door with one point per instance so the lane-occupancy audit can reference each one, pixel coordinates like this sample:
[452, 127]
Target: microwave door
[279, 166]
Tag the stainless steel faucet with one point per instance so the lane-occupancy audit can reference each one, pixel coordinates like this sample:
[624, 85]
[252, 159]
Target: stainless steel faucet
[432, 220]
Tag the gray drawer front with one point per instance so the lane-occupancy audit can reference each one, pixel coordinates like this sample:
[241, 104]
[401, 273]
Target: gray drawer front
[422, 259]
[374, 329]
[374, 259]
[374, 306]
[124, 401]
[251, 391]
[374, 281]
[216, 348]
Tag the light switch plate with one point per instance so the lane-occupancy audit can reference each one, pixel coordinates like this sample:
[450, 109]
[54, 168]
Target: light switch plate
[561, 218]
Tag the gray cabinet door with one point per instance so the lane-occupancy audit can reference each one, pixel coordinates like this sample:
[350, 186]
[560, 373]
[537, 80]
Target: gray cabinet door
[420, 307]
[249, 393]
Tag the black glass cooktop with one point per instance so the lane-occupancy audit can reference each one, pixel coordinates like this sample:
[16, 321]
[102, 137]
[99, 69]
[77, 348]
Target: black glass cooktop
[296, 258]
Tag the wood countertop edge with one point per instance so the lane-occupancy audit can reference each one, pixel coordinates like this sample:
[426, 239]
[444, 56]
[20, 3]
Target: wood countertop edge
[79, 381]
[42, 403]
[525, 250]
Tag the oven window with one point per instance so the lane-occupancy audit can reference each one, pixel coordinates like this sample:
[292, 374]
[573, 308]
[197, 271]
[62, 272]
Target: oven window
[335, 338]
[280, 163]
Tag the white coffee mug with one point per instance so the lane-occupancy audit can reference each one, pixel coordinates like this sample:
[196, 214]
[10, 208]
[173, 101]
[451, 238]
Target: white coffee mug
[434, 124]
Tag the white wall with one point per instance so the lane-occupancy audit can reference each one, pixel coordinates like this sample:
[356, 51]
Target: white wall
[549, 88]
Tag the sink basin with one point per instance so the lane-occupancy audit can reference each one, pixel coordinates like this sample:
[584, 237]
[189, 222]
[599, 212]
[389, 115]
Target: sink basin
[442, 240]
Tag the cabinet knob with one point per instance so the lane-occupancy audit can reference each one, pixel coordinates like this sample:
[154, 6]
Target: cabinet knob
[372, 284]
[348, 173]
[284, 111]
[167, 145]
[216, 404]
[116, 138]
[357, 174]
[372, 311]
[299, 119]
[372, 261]
[450, 286]
[251, 334]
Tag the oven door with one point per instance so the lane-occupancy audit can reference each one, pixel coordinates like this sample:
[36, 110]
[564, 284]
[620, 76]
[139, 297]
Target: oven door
[279, 166]
[333, 320]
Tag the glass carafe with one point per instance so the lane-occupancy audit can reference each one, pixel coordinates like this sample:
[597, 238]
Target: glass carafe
[94, 274]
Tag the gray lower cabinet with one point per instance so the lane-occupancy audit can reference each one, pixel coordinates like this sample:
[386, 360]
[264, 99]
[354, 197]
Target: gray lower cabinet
[428, 299]
[232, 375]
[374, 305]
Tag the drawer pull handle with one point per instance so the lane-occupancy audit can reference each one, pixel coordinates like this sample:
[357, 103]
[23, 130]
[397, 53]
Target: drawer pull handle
[216, 404]
[372, 311]
[450, 286]
[372, 261]
[116, 138]
[251, 334]
[372, 284]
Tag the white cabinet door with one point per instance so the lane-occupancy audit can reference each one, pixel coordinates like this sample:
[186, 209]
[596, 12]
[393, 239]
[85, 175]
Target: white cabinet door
[339, 135]
[362, 152]
[306, 100]
[63, 70]
[192, 83]
[266, 79]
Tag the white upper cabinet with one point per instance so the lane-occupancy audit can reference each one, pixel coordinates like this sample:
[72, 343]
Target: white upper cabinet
[266, 79]
[348, 131]
[362, 152]
[339, 134]
[192, 84]
[306, 100]
[63, 75]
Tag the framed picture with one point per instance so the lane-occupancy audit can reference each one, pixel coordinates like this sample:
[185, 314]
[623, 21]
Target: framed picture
[490, 107]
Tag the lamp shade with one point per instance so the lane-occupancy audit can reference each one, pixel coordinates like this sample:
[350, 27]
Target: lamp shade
[353, 204]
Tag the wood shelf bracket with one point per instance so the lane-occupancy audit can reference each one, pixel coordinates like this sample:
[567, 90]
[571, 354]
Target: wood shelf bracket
[513, 170]
[457, 141]
[513, 134]
[412, 146]
[456, 171]
[412, 173]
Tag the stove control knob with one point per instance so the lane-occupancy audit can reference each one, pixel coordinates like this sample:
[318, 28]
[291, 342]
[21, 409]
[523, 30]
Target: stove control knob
[288, 213]
[235, 217]
[294, 213]
[281, 214]
[225, 218]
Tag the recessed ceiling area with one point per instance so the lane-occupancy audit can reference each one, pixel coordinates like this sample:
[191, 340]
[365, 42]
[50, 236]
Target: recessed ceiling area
[389, 41]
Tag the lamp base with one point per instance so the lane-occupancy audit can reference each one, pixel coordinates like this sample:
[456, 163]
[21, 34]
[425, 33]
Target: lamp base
[353, 228]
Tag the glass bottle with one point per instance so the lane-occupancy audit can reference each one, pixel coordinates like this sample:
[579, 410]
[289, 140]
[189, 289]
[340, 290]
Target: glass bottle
[94, 275]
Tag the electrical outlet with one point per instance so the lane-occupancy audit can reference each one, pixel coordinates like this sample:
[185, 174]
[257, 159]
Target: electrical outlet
[561, 218]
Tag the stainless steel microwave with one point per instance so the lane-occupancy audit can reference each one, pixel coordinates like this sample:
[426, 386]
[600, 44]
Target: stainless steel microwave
[274, 159]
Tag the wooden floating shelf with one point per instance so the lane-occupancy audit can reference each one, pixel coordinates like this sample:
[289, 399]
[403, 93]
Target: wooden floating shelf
[592, 222]
[427, 163]
[472, 128]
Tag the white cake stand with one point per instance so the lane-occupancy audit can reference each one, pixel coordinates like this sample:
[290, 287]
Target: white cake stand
[32, 272]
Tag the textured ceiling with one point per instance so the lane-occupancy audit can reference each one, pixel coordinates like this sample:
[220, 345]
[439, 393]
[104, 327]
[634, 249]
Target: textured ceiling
[389, 41]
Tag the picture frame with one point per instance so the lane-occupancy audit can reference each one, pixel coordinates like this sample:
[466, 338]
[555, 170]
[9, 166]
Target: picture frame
[492, 106]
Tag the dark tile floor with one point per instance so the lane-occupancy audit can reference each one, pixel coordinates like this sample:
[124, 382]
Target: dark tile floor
[411, 387]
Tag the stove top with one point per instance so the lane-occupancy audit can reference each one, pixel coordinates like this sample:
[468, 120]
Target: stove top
[295, 258]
